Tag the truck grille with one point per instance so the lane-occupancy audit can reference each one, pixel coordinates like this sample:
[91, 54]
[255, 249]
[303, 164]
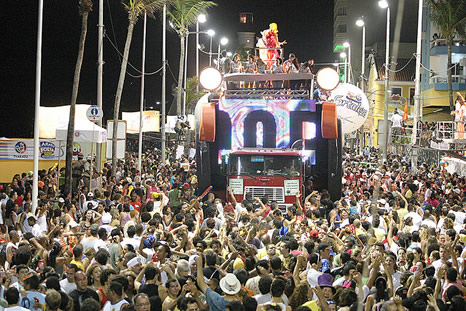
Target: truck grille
[274, 193]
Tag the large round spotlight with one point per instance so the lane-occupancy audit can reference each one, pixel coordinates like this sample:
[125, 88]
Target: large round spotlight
[328, 78]
[210, 78]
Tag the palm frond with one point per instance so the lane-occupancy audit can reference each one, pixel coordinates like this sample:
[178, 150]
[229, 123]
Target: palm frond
[183, 13]
[449, 16]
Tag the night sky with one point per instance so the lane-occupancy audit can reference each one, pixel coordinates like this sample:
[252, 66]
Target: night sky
[307, 25]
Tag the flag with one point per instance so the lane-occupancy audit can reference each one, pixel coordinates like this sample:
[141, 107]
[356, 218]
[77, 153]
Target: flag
[405, 114]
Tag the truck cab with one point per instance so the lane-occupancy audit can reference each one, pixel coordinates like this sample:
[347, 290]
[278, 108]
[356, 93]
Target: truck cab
[277, 173]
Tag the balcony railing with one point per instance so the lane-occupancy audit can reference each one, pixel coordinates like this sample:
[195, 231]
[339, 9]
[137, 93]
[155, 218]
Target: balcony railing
[444, 79]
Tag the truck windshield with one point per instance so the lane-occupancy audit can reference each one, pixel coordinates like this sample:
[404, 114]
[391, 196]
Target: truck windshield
[268, 165]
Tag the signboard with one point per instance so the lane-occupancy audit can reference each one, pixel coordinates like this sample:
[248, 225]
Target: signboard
[236, 186]
[352, 106]
[150, 121]
[23, 150]
[292, 187]
[397, 101]
[94, 113]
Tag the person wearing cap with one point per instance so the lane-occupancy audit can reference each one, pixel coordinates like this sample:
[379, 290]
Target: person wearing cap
[229, 285]
[60, 204]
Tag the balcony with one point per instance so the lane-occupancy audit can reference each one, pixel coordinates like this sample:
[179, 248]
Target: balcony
[440, 83]
[439, 47]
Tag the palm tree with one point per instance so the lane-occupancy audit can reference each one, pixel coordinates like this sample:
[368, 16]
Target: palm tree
[192, 95]
[135, 9]
[450, 17]
[183, 13]
[85, 6]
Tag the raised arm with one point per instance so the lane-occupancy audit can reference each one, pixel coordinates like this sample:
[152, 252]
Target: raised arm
[200, 279]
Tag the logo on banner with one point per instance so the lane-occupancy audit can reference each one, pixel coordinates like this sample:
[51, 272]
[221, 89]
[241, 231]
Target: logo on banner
[20, 147]
[76, 149]
[47, 150]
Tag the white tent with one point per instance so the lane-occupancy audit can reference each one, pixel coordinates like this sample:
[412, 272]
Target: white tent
[83, 133]
[54, 124]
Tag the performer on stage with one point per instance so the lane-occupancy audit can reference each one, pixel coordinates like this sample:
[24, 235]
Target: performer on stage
[270, 40]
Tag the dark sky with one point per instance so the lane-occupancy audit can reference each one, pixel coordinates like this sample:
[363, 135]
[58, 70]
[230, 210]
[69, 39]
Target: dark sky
[307, 25]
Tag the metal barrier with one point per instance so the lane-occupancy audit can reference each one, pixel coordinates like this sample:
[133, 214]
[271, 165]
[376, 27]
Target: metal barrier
[442, 135]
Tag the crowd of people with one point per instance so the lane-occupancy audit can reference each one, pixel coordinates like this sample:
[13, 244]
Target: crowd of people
[147, 241]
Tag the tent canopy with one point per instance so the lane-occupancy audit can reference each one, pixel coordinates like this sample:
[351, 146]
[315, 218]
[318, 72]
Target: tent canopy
[54, 124]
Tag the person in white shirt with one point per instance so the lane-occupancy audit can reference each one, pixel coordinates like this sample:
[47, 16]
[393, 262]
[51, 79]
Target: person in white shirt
[114, 295]
[416, 218]
[12, 297]
[68, 284]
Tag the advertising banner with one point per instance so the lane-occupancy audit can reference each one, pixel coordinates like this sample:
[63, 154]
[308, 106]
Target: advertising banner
[23, 149]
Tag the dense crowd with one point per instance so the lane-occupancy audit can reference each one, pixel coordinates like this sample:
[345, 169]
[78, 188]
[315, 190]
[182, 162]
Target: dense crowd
[146, 241]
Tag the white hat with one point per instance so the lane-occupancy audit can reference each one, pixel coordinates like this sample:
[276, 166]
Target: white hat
[458, 191]
[230, 284]
[61, 200]
[106, 218]
[192, 259]
[134, 261]
[90, 194]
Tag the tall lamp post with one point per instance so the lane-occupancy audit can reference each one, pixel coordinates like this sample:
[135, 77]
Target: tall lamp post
[360, 23]
[347, 46]
[417, 89]
[223, 41]
[211, 33]
[201, 19]
[186, 65]
[384, 5]
[164, 78]
[35, 175]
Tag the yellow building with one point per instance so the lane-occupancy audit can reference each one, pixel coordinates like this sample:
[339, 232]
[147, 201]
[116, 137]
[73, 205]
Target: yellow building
[401, 91]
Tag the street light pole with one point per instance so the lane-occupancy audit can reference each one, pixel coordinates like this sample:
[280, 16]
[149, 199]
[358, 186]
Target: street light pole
[100, 66]
[383, 4]
[141, 108]
[185, 73]
[164, 76]
[347, 45]
[360, 23]
[200, 19]
[35, 175]
[417, 87]
[210, 50]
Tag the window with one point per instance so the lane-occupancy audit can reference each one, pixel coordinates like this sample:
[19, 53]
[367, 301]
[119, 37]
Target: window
[411, 96]
[246, 18]
[397, 91]
[341, 28]
[341, 11]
